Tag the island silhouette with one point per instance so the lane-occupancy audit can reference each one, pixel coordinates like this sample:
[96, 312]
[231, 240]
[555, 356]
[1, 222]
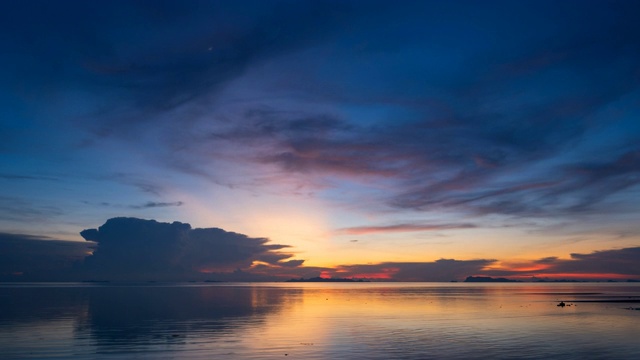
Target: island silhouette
[321, 279]
[487, 279]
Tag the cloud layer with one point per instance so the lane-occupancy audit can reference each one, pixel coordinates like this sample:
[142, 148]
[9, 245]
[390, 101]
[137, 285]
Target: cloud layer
[131, 249]
[604, 264]
[37, 258]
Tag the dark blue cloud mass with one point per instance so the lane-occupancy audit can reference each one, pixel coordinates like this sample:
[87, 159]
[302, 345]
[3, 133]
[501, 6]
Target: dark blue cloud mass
[38, 258]
[136, 249]
[131, 249]
[529, 117]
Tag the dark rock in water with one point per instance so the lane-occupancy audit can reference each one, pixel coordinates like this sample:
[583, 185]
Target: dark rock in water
[562, 304]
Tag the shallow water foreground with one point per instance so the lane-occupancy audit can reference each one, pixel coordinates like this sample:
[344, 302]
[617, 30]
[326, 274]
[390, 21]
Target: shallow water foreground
[320, 321]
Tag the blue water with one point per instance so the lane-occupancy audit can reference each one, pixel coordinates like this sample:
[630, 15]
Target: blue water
[320, 321]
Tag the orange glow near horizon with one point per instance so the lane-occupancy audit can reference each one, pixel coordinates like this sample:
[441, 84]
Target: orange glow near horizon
[340, 272]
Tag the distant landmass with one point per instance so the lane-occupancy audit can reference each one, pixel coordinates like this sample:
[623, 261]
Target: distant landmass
[321, 279]
[585, 281]
[487, 279]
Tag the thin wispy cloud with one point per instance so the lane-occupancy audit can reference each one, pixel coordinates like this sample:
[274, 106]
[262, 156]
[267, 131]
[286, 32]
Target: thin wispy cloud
[153, 204]
[26, 177]
[361, 230]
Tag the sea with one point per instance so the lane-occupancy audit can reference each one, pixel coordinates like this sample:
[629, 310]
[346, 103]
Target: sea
[320, 321]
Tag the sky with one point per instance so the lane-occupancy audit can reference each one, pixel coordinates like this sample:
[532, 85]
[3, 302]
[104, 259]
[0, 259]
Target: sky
[262, 140]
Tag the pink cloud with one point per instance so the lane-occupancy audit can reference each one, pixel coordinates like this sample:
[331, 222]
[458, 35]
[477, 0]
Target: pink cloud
[361, 230]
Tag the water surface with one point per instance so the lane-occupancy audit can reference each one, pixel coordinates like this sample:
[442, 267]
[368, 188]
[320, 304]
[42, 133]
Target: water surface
[319, 321]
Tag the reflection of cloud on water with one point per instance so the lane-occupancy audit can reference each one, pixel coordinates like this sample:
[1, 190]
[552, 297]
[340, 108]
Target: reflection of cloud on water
[139, 316]
[22, 304]
[148, 314]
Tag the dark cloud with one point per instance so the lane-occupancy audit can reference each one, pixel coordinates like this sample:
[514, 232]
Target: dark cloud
[162, 55]
[39, 258]
[292, 263]
[147, 205]
[130, 248]
[153, 204]
[601, 265]
[622, 261]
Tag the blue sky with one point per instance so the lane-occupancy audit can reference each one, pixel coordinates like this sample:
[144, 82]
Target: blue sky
[352, 132]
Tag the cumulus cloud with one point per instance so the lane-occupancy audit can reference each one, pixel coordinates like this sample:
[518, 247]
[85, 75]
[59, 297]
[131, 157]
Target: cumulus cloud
[131, 248]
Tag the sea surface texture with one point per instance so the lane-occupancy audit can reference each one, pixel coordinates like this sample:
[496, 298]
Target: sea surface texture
[320, 321]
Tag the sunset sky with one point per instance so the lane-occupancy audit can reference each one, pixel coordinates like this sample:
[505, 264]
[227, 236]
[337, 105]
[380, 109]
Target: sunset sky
[401, 140]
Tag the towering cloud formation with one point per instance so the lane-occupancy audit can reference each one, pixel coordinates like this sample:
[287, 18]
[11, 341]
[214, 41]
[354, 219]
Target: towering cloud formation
[136, 249]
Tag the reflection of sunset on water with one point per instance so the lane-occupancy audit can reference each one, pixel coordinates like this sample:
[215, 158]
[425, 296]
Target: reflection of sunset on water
[320, 320]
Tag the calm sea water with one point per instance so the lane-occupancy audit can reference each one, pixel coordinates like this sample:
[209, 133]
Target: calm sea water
[320, 321]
